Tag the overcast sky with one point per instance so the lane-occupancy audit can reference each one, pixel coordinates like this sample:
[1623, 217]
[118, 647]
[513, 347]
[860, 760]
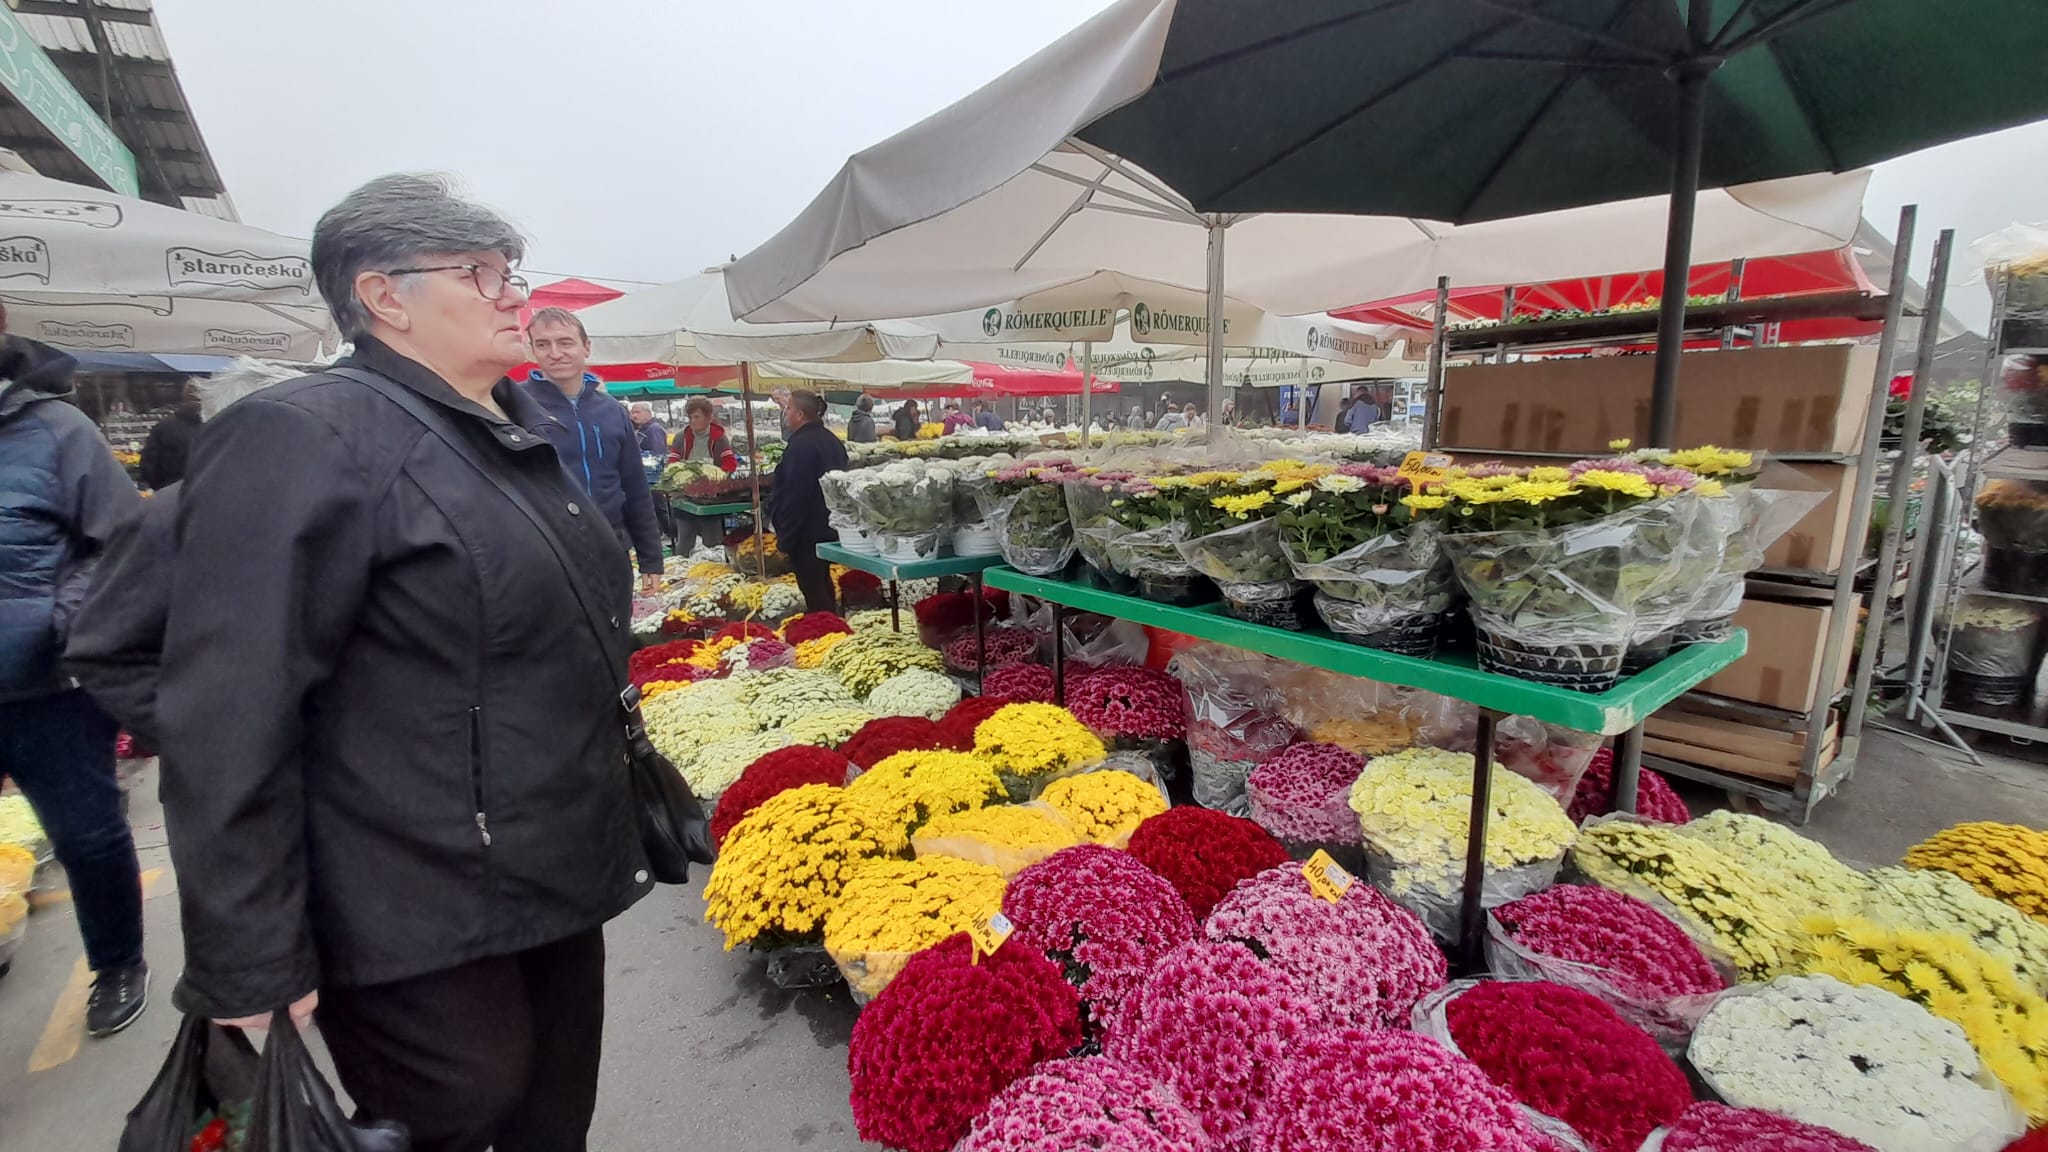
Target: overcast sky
[645, 139]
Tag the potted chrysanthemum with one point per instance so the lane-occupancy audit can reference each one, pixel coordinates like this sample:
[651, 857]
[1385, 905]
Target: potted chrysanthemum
[1370, 545]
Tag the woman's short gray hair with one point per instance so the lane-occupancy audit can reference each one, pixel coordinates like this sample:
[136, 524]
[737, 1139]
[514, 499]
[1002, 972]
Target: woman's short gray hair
[244, 377]
[394, 221]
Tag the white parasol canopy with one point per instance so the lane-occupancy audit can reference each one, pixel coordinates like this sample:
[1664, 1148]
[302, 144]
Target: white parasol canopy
[167, 325]
[688, 323]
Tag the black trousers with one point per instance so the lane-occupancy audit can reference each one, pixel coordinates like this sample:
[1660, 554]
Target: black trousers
[498, 1053]
[814, 576]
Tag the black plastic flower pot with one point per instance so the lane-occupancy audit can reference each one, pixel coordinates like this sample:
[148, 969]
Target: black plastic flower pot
[1997, 697]
[1181, 591]
[2008, 569]
[1578, 667]
[1642, 657]
[1293, 613]
[1108, 579]
[1415, 636]
[2027, 433]
[1351, 857]
[1701, 632]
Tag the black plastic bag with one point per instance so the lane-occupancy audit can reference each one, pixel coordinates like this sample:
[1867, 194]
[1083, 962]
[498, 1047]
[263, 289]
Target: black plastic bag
[295, 1108]
[208, 1066]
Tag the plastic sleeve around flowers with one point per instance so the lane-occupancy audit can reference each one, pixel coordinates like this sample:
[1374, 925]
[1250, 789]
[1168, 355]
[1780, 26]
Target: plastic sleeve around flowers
[2004, 648]
[1435, 893]
[1431, 1019]
[1220, 784]
[1010, 859]
[1552, 587]
[1245, 560]
[1669, 1020]
[1696, 549]
[1385, 581]
[1035, 538]
[842, 509]
[1094, 532]
[1750, 517]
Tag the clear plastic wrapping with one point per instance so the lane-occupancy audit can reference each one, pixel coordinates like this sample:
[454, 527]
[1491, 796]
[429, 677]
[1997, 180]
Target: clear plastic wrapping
[907, 509]
[1389, 592]
[841, 508]
[1032, 526]
[1994, 638]
[2015, 262]
[1748, 517]
[1234, 721]
[1088, 499]
[1669, 1020]
[1431, 1017]
[1010, 859]
[1663, 602]
[1249, 566]
[1436, 892]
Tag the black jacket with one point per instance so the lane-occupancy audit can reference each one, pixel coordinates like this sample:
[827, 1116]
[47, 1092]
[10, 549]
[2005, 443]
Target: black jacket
[906, 424]
[796, 505]
[392, 740]
[116, 647]
[168, 447]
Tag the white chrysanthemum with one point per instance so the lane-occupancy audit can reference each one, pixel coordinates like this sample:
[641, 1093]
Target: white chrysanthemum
[1338, 482]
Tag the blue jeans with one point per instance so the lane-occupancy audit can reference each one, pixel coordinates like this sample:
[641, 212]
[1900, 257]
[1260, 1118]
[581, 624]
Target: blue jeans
[60, 750]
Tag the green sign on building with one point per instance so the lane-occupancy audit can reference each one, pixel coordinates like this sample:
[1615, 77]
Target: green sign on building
[33, 78]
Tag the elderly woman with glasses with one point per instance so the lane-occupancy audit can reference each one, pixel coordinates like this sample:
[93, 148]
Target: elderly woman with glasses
[395, 778]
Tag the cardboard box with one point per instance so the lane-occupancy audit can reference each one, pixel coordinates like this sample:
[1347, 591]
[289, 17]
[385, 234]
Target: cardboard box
[1782, 668]
[1821, 541]
[1807, 398]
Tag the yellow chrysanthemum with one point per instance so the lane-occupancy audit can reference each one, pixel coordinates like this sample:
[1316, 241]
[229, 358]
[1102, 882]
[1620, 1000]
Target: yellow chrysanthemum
[890, 910]
[1625, 483]
[1105, 806]
[1425, 502]
[1542, 491]
[1027, 740]
[781, 869]
[910, 788]
[1548, 475]
[1242, 506]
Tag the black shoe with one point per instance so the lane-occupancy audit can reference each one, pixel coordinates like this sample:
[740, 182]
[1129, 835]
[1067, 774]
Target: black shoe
[118, 996]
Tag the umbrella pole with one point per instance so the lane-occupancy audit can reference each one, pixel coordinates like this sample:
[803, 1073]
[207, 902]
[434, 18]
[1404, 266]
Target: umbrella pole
[1693, 75]
[753, 468]
[1301, 398]
[1087, 386]
[1216, 229]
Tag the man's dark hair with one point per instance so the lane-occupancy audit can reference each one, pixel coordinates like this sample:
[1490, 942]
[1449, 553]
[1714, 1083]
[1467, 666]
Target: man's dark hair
[696, 404]
[558, 315]
[809, 403]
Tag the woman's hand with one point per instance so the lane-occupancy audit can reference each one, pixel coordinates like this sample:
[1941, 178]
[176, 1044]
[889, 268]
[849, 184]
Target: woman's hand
[650, 585]
[302, 1015]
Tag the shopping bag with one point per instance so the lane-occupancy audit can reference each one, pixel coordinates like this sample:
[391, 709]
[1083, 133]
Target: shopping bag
[295, 1108]
[209, 1067]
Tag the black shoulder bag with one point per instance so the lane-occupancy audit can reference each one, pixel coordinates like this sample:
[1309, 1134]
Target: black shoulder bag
[674, 830]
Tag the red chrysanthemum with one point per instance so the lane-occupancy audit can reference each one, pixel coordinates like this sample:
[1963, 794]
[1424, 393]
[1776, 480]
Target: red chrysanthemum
[948, 1034]
[1654, 798]
[1567, 1054]
[956, 727]
[673, 670]
[655, 655]
[1203, 854]
[882, 738]
[1138, 703]
[857, 585]
[744, 630]
[1020, 684]
[1003, 647]
[947, 612]
[812, 625]
[1711, 1127]
[1363, 959]
[1103, 918]
[778, 771]
[1637, 949]
[1214, 1023]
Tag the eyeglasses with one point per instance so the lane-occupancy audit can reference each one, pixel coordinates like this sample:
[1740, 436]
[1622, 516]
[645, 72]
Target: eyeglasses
[490, 282]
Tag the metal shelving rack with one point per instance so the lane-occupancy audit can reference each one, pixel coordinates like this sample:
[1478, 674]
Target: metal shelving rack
[2008, 463]
[1751, 322]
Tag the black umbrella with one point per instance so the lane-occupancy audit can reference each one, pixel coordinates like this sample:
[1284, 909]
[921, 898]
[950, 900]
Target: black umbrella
[1468, 110]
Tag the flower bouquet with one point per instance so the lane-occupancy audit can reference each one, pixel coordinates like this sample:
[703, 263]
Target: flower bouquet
[1204, 854]
[1991, 656]
[1364, 960]
[1366, 1090]
[1008, 837]
[1693, 541]
[1233, 538]
[1032, 745]
[782, 866]
[1371, 548]
[906, 509]
[1104, 919]
[1107, 806]
[1302, 795]
[1800, 872]
[1563, 1053]
[1415, 813]
[842, 509]
[781, 695]
[1089, 493]
[2013, 517]
[867, 659]
[1086, 1102]
[1857, 1060]
[1945, 904]
[1615, 947]
[950, 1032]
[2002, 1017]
[2026, 396]
[1131, 709]
[1146, 538]
[910, 789]
[1213, 1022]
[971, 533]
[1710, 1127]
[891, 910]
[1554, 564]
[1023, 683]
[1026, 507]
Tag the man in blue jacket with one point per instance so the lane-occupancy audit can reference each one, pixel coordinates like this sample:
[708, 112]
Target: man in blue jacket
[597, 442]
[65, 495]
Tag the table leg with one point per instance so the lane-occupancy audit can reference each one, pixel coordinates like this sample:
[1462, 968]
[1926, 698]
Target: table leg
[1628, 769]
[895, 607]
[980, 633]
[1471, 916]
[1059, 655]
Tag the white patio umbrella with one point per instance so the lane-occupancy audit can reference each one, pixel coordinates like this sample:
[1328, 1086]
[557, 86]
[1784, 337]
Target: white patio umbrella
[689, 323]
[997, 198]
[170, 325]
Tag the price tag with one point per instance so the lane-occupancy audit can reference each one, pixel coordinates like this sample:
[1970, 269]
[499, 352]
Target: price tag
[1326, 877]
[1424, 466]
[989, 930]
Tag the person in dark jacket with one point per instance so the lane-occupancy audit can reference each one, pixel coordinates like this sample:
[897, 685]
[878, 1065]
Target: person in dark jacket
[796, 506]
[169, 444]
[985, 416]
[65, 495]
[395, 778]
[652, 436]
[860, 427]
[906, 420]
[595, 438]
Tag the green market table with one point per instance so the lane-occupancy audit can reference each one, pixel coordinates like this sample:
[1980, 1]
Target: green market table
[896, 571]
[1619, 711]
[690, 507]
